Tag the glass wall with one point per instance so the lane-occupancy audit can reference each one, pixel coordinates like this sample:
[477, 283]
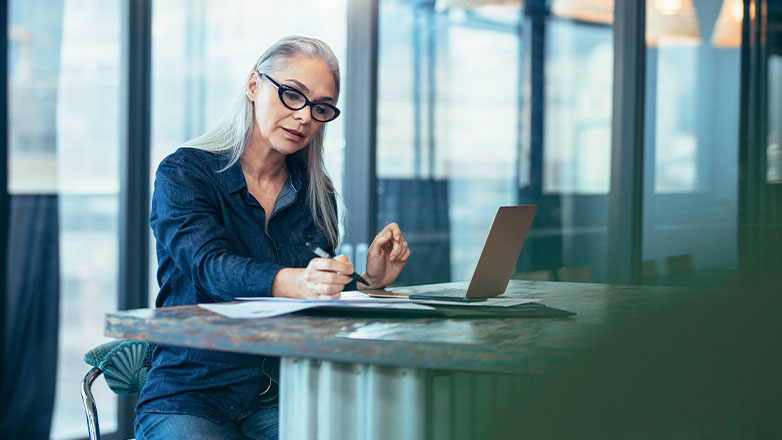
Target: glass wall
[63, 83]
[203, 51]
[483, 106]
[691, 141]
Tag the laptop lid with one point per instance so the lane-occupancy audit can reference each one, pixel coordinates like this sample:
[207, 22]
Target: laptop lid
[501, 250]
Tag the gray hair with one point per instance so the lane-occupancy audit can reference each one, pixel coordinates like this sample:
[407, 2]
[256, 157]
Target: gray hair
[232, 132]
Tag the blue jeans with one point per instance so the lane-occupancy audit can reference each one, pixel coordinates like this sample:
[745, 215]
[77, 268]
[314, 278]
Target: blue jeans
[262, 424]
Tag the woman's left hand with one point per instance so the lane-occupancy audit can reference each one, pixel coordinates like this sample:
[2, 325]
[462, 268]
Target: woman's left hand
[386, 257]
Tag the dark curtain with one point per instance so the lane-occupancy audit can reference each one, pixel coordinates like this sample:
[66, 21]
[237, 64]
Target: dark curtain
[3, 177]
[31, 317]
[30, 311]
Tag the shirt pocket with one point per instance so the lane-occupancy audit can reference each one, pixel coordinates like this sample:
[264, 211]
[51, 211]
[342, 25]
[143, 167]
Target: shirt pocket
[299, 252]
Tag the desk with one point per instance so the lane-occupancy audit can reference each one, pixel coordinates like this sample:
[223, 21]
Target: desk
[367, 377]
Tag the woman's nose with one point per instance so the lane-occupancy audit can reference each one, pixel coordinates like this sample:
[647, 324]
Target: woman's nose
[303, 114]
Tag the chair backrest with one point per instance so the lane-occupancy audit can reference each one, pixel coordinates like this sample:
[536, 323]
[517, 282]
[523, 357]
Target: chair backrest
[679, 265]
[124, 365]
[648, 270]
[580, 274]
[535, 275]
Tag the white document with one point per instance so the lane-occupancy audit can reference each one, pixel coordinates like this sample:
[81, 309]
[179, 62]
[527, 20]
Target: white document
[257, 309]
[266, 307]
[350, 295]
[490, 302]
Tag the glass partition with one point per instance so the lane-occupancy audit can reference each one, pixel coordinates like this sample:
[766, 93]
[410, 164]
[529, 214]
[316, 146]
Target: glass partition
[481, 106]
[691, 142]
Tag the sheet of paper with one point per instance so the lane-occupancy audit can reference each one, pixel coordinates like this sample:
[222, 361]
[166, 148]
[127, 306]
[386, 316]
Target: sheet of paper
[396, 305]
[490, 302]
[352, 295]
[356, 296]
[270, 307]
[257, 309]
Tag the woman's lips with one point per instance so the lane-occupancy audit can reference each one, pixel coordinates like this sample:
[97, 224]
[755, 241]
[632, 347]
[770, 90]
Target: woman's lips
[293, 134]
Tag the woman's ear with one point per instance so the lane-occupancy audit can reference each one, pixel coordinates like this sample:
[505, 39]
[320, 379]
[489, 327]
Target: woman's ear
[251, 89]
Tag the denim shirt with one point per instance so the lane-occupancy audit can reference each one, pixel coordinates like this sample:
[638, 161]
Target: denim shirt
[211, 247]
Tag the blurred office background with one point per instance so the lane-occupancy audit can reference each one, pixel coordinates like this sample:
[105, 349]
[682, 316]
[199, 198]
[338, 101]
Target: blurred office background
[655, 163]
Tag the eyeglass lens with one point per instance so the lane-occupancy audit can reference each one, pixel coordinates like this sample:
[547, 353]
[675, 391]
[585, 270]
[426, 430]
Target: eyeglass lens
[295, 100]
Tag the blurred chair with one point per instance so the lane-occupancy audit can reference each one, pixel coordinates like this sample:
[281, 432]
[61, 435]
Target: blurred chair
[124, 365]
[580, 274]
[420, 207]
[679, 265]
[535, 275]
[648, 270]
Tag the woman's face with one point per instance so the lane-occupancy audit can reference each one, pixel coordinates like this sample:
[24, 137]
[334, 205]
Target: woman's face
[278, 127]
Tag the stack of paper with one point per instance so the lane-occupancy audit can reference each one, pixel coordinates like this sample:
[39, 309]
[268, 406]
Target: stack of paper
[267, 307]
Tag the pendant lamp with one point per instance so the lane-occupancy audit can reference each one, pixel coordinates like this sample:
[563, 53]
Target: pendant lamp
[727, 31]
[671, 22]
[442, 5]
[667, 21]
[593, 11]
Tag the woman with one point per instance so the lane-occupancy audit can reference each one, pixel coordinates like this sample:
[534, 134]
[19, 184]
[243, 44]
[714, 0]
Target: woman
[231, 212]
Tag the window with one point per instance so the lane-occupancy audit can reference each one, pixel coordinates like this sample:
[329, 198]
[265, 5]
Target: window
[691, 142]
[63, 83]
[482, 106]
[578, 90]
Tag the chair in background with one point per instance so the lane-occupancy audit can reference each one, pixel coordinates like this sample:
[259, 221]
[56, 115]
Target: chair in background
[648, 271]
[124, 365]
[535, 275]
[420, 206]
[679, 265]
[579, 274]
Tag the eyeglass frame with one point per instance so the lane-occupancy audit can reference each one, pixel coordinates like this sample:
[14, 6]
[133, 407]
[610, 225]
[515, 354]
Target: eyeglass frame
[282, 88]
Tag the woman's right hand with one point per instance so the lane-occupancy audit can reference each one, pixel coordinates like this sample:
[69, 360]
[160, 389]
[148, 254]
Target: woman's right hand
[323, 278]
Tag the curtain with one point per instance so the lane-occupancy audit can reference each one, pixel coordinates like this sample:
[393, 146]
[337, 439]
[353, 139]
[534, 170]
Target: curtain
[31, 317]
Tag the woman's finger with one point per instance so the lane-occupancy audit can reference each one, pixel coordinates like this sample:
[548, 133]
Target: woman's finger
[324, 290]
[333, 278]
[396, 249]
[403, 249]
[383, 237]
[329, 297]
[337, 264]
[394, 228]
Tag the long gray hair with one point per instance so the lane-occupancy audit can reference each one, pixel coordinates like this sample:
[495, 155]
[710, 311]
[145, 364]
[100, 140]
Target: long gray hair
[232, 132]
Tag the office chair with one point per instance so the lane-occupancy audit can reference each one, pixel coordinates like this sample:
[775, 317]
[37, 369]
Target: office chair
[648, 271]
[124, 365]
[580, 274]
[535, 275]
[679, 265]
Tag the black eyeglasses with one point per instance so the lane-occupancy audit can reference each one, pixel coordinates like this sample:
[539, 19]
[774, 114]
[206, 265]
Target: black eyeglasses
[295, 100]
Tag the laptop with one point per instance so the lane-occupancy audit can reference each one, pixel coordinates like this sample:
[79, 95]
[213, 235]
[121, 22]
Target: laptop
[498, 258]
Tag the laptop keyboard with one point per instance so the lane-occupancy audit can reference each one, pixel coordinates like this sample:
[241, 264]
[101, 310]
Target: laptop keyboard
[455, 292]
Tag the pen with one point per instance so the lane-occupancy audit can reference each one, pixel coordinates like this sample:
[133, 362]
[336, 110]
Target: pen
[323, 254]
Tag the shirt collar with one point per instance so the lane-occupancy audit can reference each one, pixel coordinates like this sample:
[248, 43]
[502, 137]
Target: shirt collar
[233, 178]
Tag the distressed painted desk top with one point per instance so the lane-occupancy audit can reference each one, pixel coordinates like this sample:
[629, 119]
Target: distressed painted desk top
[514, 346]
